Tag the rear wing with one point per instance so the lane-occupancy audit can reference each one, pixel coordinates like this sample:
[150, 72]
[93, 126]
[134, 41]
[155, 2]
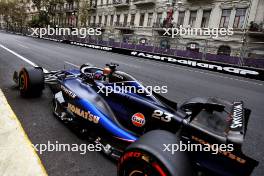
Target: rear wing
[228, 121]
[217, 121]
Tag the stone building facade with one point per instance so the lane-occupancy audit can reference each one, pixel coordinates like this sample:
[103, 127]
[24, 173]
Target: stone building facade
[142, 21]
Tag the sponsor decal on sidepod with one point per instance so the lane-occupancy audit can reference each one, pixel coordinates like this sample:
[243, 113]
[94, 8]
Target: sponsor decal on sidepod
[84, 114]
[138, 120]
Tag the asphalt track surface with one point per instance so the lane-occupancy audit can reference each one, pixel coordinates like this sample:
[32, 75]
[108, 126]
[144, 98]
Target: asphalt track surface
[183, 83]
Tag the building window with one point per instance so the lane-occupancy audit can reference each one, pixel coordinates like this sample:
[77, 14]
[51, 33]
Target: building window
[117, 19]
[192, 18]
[105, 20]
[150, 16]
[159, 18]
[224, 50]
[225, 18]
[165, 43]
[181, 18]
[100, 20]
[205, 18]
[112, 20]
[93, 3]
[239, 18]
[89, 20]
[125, 19]
[132, 20]
[141, 19]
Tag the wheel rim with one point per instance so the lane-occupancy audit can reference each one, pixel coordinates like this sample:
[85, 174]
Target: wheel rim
[143, 169]
[137, 173]
[22, 82]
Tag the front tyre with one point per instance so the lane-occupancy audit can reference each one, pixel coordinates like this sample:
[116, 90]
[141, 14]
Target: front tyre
[146, 157]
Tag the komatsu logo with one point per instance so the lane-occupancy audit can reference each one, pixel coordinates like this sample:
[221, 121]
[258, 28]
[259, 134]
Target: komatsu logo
[237, 120]
[196, 64]
[84, 114]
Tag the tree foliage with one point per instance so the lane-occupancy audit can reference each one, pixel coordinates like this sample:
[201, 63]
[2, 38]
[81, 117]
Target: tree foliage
[42, 20]
[14, 13]
[83, 12]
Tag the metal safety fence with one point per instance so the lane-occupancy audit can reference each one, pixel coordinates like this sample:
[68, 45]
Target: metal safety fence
[150, 48]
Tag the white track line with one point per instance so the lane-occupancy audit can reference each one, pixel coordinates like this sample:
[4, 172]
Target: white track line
[72, 64]
[211, 74]
[22, 58]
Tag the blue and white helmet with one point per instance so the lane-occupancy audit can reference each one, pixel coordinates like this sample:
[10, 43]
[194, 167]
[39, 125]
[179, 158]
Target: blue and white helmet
[98, 75]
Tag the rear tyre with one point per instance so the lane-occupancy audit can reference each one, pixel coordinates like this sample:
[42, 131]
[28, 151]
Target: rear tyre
[146, 157]
[31, 82]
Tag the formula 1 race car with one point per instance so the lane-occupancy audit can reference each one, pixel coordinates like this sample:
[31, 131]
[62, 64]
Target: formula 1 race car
[149, 134]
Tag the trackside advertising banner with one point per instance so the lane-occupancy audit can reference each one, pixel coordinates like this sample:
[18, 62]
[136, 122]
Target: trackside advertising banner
[201, 64]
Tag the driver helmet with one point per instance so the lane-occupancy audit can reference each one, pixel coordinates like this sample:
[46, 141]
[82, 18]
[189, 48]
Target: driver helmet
[98, 75]
[107, 71]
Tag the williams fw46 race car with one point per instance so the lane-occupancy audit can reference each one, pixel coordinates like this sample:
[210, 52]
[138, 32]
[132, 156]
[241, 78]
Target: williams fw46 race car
[148, 134]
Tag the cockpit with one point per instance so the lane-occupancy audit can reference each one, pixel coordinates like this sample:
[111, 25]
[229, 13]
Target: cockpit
[107, 75]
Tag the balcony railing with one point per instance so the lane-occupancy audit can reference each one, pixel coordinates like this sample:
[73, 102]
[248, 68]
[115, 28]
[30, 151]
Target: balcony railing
[157, 25]
[92, 25]
[160, 25]
[124, 25]
[96, 25]
[56, 9]
[121, 3]
[70, 9]
[144, 2]
[100, 25]
[92, 6]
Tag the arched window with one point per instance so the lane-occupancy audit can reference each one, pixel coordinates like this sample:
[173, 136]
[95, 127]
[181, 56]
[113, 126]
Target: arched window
[164, 43]
[224, 50]
[143, 41]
